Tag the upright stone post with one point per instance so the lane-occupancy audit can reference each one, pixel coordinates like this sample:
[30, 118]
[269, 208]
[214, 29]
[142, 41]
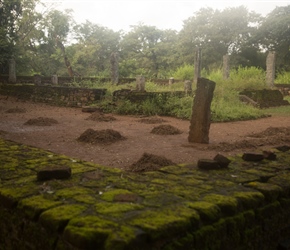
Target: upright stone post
[140, 83]
[187, 86]
[226, 67]
[270, 67]
[197, 65]
[171, 80]
[54, 80]
[37, 79]
[201, 114]
[115, 68]
[12, 71]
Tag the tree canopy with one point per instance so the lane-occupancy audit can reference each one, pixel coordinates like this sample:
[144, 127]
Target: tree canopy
[51, 42]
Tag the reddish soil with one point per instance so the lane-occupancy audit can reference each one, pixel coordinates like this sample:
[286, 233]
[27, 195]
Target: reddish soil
[66, 125]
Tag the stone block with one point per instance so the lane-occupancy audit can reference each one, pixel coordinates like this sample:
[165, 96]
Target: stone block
[50, 173]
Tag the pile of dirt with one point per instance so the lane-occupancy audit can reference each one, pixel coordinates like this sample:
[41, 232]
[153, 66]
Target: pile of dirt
[149, 162]
[270, 136]
[41, 121]
[165, 130]
[272, 131]
[100, 117]
[105, 136]
[16, 110]
[151, 120]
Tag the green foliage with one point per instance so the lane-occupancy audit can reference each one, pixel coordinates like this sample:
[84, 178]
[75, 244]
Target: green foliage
[283, 78]
[248, 78]
[185, 72]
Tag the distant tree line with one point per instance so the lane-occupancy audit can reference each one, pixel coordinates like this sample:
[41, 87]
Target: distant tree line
[51, 42]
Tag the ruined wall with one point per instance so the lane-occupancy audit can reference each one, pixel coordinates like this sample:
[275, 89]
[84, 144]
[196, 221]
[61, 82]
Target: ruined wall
[245, 206]
[63, 96]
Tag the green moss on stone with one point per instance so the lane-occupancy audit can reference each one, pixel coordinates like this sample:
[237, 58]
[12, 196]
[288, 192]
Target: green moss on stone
[116, 209]
[92, 232]
[208, 212]
[34, 206]
[71, 192]
[270, 191]
[227, 204]
[110, 195]
[166, 222]
[249, 200]
[282, 180]
[56, 218]
[85, 198]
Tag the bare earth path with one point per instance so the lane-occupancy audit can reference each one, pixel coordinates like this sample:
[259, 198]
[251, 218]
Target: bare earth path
[226, 138]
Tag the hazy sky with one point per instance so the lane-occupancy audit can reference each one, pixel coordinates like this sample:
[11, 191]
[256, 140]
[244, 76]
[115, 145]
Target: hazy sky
[170, 14]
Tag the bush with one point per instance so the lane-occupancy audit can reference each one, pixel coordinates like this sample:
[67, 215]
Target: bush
[185, 72]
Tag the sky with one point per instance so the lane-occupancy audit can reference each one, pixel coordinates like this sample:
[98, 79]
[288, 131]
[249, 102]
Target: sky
[164, 14]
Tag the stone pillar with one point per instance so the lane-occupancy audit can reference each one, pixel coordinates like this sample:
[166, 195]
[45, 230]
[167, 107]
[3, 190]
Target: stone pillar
[201, 114]
[171, 80]
[37, 79]
[197, 65]
[12, 71]
[114, 68]
[270, 65]
[140, 83]
[226, 67]
[54, 80]
[187, 86]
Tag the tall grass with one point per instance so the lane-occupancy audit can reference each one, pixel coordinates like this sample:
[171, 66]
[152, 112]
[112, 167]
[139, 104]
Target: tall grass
[226, 105]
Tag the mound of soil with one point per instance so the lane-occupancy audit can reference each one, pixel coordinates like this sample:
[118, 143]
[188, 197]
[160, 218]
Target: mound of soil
[165, 130]
[100, 117]
[41, 121]
[149, 162]
[151, 120]
[16, 110]
[106, 136]
[270, 136]
[272, 131]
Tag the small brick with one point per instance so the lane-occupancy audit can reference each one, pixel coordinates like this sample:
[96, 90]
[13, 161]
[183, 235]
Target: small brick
[222, 160]
[252, 157]
[206, 164]
[56, 172]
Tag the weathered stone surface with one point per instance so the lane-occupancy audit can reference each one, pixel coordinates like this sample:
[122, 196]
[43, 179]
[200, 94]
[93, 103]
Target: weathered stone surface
[90, 109]
[201, 114]
[270, 65]
[283, 148]
[187, 86]
[107, 208]
[226, 66]
[56, 172]
[269, 155]
[140, 83]
[222, 160]
[207, 164]
[252, 157]
[197, 65]
[12, 71]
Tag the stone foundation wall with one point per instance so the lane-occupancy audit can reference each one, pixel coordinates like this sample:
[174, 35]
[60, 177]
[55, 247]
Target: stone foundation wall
[63, 96]
[245, 206]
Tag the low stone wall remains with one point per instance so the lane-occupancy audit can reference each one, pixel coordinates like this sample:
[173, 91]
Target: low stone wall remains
[62, 96]
[243, 206]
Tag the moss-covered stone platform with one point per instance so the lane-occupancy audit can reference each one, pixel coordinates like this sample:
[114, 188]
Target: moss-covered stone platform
[246, 206]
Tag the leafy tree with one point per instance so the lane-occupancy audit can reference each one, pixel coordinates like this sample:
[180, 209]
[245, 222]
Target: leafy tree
[274, 34]
[148, 50]
[58, 28]
[93, 48]
[217, 33]
[10, 10]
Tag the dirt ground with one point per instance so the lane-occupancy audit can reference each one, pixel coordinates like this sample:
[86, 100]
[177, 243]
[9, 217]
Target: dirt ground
[120, 141]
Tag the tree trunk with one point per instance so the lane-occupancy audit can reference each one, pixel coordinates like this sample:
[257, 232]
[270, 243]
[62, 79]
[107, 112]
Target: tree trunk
[66, 60]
